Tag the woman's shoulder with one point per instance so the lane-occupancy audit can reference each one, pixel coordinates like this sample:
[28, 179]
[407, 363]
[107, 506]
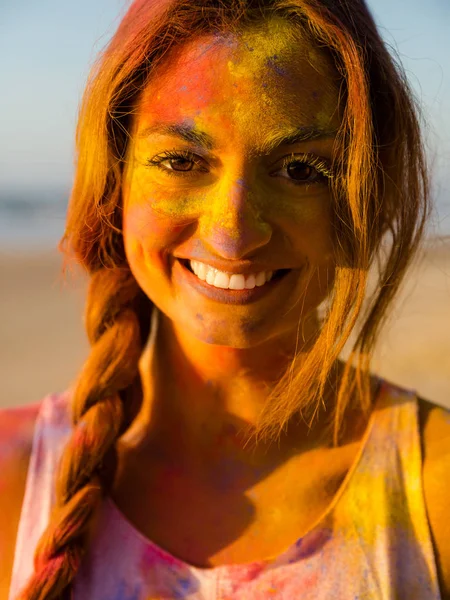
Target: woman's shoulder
[435, 435]
[434, 430]
[17, 428]
[434, 423]
[16, 438]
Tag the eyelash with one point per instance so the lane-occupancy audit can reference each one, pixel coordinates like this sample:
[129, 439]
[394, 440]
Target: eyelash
[321, 165]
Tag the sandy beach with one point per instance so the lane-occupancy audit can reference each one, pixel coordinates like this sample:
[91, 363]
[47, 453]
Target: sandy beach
[43, 343]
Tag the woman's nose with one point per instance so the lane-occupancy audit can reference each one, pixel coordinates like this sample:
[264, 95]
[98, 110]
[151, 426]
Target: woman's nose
[233, 221]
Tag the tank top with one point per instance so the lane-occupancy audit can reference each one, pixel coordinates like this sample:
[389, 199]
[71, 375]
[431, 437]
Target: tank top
[372, 542]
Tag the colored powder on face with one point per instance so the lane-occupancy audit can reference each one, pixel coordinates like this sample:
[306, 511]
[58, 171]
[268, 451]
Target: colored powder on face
[231, 84]
[283, 65]
[269, 44]
[272, 63]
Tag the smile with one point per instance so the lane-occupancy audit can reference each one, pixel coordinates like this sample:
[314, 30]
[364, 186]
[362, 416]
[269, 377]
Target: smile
[245, 295]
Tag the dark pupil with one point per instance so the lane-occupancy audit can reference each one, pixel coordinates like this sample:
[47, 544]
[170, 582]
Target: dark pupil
[184, 163]
[299, 170]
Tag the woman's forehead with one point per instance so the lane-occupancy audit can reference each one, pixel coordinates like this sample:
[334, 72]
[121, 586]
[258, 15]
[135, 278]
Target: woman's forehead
[263, 78]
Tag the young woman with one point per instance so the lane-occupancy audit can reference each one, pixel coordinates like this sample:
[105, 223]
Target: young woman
[241, 166]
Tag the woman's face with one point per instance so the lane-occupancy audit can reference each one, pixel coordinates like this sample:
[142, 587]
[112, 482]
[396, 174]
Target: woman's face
[205, 180]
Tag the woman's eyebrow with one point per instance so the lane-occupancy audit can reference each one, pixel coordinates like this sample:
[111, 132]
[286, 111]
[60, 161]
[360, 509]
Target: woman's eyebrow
[201, 138]
[186, 132]
[295, 136]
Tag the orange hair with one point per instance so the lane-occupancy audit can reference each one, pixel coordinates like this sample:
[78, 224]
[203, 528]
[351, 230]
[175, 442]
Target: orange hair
[380, 194]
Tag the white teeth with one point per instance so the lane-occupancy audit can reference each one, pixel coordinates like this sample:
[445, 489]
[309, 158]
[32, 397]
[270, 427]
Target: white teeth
[225, 281]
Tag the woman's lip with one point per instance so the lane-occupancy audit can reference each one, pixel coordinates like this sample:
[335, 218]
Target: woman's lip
[227, 296]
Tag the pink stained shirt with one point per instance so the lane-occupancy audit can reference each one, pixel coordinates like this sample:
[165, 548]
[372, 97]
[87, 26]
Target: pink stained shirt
[372, 542]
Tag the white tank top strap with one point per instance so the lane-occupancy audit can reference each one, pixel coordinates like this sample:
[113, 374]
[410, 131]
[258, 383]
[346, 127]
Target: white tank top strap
[384, 504]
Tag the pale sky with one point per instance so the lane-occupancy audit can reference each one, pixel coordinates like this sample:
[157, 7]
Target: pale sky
[46, 48]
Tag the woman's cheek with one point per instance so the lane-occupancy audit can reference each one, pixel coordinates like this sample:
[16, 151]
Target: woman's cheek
[163, 197]
[313, 210]
[307, 220]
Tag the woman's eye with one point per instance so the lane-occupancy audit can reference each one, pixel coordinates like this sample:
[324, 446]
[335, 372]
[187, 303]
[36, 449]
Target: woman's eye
[180, 164]
[174, 163]
[306, 169]
[300, 169]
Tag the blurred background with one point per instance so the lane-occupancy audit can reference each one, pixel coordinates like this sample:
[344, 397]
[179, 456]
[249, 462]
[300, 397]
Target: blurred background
[46, 50]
